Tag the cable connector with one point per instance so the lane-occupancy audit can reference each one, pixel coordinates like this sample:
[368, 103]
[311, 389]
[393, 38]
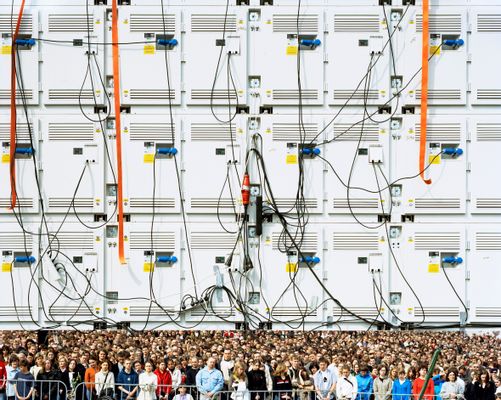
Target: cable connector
[309, 151]
[453, 151]
[171, 151]
[167, 259]
[455, 43]
[167, 42]
[310, 42]
[452, 260]
[25, 259]
[248, 264]
[25, 42]
[310, 260]
[24, 150]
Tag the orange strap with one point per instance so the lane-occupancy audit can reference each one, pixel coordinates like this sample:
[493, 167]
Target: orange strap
[424, 89]
[13, 111]
[116, 94]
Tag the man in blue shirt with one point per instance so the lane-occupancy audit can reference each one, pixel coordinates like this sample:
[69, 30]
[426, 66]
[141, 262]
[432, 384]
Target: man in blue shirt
[24, 381]
[365, 382]
[127, 381]
[209, 380]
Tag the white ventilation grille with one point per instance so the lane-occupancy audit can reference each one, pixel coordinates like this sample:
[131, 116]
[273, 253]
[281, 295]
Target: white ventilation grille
[294, 132]
[216, 94]
[308, 242]
[488, 312]
[23, 202]
[441, 94]
[359, 94]
[22, 132]
[488, 202]
[72, 240]
[64, 311]
[289, 23]
[71, 23]
[436, 312]
[356, 23]
[352, 133]
[151, 131]
[437, 241]
[488, 94]
[71, 94]
[488, 132]
[292, 94]
[16, 241]
[152, 23]
[489, 23]
[5, 94]
[357, 203]
[437, 203]
[488, 240]
[15, 312]
[213, 202]
[290, 203]
[8, 23]
[212, 241]
[161, 241]
[161, 203]
[153, 311]
[152, 94]
[355, 241]
[213, 23]
[440, 132]
[66, 202]
[212, 132]
[216, 311]
[83, 132]
[293, 312]
[364, 312]
[441, 23]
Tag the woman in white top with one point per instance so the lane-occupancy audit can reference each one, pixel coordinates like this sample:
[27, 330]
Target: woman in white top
[452, 389]
[37, 367]
[239, 383]
[346, 387]
[105, 381]
[148, 383]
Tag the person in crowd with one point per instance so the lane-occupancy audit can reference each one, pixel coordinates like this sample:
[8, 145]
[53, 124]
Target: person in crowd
[364, 383]
[256, 378]
[183, 394]
[3, 377]
[282, 385]
[11, 370]
[382, 384]
[226, 367]
[35, 369]
[439, 379]
[176, 377]
[402, 387]
[148, 383]
[451, 388]
[164, 381]
[239, 382]
[484, 388]
[469, 391]
[209, 380]
[138, 367]
[325, 381]
[347, 386]
[105, 381]
[47, 386]
[90, 378]
[191, 376]
[419, 382]
[127, 382]
[24, 385]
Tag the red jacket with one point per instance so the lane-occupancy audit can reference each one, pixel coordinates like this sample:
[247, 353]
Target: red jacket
[164, 381]
[3, 374]
[417, 385]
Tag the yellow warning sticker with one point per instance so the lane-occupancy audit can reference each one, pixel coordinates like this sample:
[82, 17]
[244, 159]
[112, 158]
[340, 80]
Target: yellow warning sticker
[6, 50]
[291, 50]
[434, 50]
[6, 267]
[148, 267]
[290, 267]
[433, 268]
[291, 159]
[149, 49]
[434, 159]
[148, 158]
[5, 158]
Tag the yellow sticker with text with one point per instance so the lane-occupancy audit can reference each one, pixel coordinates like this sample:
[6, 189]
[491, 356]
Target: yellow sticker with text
[290, 267]
[5, 158]
[434, 159]
[148, 158]
[6, 267]
[433, 268]
[291, 159]
[6, 50]
[148, 267]
[149, 49]
[291, 50]
[434, 50]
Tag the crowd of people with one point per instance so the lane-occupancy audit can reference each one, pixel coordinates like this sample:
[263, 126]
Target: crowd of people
[260, 365]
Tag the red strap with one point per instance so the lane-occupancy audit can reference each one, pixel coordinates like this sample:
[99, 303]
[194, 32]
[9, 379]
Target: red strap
[116, 94]
[424, 89]
[13, 113]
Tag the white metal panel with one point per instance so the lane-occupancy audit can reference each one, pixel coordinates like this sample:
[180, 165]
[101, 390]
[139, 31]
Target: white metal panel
[447, 68]
[70, 74]
[76, 143]
[148, 70]
[447, 192]
[205, 25]
[275, 42]
[27, 59]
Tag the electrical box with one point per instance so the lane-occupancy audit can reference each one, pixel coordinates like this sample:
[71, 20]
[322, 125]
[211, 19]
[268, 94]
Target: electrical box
[75, 155]
[78, 77]
[27, 56]
[153, 72]
[277, 41]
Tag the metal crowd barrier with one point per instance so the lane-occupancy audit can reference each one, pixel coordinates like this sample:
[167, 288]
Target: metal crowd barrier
[40, 389]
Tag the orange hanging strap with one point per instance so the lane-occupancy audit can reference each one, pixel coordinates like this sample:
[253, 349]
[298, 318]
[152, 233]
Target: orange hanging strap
[424, 89]
[118, 126]
[13, 113]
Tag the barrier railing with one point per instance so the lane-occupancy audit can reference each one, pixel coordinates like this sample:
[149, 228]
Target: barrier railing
[39, 389]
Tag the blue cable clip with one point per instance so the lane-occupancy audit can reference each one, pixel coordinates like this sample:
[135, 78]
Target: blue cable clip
[167, 151]
[168, 42]
[310, 152]
[310, 42]
[310, 260]
[24, 150]
[452, 260]
[167, 259]
[453, 42]
[25, 259]
[453, 151]
[25, 42]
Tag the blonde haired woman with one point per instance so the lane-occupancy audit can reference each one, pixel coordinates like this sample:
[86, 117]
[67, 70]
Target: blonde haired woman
[282, 385]
[239, 382]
